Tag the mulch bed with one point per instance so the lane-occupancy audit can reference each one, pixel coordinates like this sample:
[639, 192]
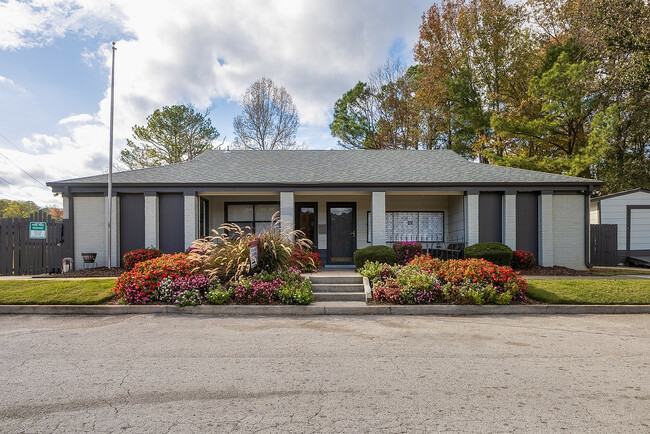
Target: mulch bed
[538, 270]
[88, 272]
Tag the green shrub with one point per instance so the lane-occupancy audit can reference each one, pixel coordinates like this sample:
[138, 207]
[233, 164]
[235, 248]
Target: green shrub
[497, 253]
[383, 254]
[371, 270]
[217, 295]
[295, 293]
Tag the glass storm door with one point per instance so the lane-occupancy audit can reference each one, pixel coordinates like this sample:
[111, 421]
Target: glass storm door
[342, 235]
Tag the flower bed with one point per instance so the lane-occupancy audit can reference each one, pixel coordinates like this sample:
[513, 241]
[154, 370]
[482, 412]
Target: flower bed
[175, 279]
[427, 280]
[287, 287]
[218, 269]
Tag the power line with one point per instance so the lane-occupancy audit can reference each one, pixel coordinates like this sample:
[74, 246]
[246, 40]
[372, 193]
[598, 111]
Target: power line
[24, 171]
[26, 192]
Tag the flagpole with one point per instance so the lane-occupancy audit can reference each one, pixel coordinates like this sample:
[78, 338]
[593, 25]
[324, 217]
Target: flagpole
[110, 163]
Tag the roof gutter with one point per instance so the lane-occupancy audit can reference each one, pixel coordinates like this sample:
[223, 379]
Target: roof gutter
[57, 186]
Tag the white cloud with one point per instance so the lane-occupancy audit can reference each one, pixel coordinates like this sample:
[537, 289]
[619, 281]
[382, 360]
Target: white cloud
[73, 119]
[28, 24]
[198, 51]
[7, 82]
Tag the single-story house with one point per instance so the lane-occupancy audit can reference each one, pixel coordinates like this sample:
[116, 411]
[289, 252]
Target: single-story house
[343, 200]
[630, 211]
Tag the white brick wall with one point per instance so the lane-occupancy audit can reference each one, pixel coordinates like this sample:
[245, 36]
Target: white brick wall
[472, 219]
[191, 219]
[456, 219]
[287, 209]
[378, 217]
[510, 220]
[151, 221]
[545, 222]
[89, 229]
[568, 230]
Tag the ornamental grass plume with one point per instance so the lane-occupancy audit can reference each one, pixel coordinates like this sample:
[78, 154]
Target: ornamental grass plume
[226, 254]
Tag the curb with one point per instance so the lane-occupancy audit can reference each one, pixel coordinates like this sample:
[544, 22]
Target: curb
[344, 308]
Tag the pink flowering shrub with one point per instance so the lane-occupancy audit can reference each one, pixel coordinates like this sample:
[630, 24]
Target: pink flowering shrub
[195, 281]
[255, 291]
[406, 251]
[189, 290]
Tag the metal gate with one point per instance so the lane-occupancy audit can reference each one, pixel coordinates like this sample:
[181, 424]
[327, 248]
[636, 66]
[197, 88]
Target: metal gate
[604, 244]
[19, 254]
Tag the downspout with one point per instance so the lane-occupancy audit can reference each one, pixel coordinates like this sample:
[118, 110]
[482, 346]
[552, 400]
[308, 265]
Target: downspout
[587, 229]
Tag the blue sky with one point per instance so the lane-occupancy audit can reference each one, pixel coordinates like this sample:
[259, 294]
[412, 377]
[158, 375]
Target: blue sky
[55, 58]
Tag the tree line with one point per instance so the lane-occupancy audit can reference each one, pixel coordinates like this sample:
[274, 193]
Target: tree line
[22, 209]
[560, 86]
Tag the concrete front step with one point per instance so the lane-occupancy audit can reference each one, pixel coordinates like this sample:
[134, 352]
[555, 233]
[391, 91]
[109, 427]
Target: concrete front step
[337, 287]
[326, 279]
[339, 296]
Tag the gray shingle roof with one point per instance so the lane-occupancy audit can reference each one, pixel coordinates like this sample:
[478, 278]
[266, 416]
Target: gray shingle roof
[338, 167]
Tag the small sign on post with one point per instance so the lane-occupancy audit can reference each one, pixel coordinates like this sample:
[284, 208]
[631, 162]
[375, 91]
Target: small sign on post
[254, 247]
[37, 230]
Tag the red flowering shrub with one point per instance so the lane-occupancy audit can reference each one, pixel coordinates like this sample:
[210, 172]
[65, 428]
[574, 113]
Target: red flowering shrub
[305, 260]
[457, 272]
[406, 251]
[135, 256]
[522, 259]
[137, 286]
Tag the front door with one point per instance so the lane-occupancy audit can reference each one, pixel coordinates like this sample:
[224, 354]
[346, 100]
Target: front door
[341, 232]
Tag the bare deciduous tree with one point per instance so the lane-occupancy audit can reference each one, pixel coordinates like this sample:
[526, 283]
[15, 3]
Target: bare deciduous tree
[269, 118]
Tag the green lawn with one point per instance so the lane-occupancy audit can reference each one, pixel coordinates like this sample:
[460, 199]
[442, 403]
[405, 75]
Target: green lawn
[37, 291]
[590, 291]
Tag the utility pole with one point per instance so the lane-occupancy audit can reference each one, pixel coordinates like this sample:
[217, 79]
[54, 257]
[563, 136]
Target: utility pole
[110, 164]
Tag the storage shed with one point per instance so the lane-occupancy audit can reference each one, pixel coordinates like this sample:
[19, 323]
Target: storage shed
[630, 212]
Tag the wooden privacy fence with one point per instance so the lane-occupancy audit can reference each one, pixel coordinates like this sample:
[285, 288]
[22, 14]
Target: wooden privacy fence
[604, 244]
[20, 254]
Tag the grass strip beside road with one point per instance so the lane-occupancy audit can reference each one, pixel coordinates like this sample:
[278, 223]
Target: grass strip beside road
[37, 291]
[588, 291]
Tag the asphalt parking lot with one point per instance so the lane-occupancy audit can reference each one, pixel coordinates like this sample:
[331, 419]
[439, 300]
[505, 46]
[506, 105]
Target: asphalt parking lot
[148, 373]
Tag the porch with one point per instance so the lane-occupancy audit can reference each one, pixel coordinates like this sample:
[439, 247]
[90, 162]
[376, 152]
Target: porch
[340, 222]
